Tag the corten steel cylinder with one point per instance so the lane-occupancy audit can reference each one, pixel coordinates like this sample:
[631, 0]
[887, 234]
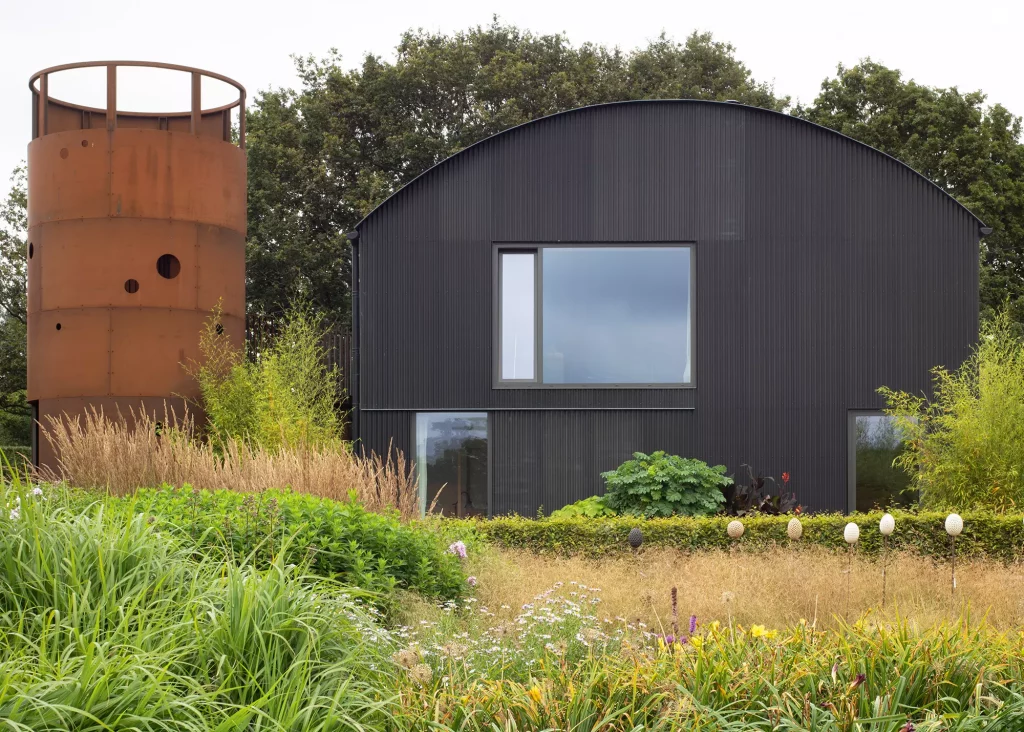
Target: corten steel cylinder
[136, 232]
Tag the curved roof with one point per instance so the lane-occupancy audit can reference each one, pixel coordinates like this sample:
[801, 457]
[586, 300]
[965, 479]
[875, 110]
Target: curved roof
[495, 137]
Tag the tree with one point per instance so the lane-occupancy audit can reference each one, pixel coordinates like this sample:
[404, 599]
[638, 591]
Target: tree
[972, 152]
[15, 415]
[321, 158]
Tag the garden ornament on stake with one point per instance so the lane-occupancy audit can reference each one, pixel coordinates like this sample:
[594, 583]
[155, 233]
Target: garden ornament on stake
[954, 525]
[794, 529]
[635, 538]
[735, 530]
[851, 533]
[887, 525]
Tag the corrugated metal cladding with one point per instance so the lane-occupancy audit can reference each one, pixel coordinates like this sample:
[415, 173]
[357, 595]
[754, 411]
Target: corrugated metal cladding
[824, 270]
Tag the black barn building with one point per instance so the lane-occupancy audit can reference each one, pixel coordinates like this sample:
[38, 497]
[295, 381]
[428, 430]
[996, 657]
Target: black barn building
[709, 279]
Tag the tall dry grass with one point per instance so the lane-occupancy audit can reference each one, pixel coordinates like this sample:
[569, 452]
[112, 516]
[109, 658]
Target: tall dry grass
[775, 588]
[121, 454]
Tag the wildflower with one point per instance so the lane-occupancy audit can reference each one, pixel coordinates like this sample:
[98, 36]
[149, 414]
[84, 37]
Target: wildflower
[421, 673]
[471, 581]
[453, 650]
[535, 694]
[693, 624]
[458, 549]
[406, 658]
[37, 491]
[858, 681]
[15, 514]
[785, 478]
[715, 625]
[696, 641]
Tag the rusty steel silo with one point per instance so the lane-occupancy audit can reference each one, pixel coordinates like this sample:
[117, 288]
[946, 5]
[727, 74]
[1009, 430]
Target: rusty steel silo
[136, 231]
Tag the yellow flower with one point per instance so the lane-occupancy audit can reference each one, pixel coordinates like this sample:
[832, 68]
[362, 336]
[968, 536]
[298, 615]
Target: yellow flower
[661, 644]
[534, 693]
[715, 626]
[696, 641]
[759, 631]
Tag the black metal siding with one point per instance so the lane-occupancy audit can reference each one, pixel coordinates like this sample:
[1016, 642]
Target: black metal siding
[824, 270]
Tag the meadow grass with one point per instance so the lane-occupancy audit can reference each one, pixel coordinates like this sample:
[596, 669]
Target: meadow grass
[775, 588]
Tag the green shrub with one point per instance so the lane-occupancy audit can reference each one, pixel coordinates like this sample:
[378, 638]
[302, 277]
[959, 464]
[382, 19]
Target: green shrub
[287, 396]
[998, 536]
[589, 507]
[337, 539]
[663, 485]
[966, 443]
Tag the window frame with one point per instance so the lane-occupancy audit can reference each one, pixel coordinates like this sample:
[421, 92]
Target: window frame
[537, 248]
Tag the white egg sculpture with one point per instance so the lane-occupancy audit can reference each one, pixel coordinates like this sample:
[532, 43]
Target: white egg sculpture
[851, 533]
[735, 529]
[887, 525]
[954, 524]
[795, 529]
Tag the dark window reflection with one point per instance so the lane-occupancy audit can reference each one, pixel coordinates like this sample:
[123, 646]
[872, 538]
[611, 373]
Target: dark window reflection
[616, 315]
[880, 485]
[451, 462]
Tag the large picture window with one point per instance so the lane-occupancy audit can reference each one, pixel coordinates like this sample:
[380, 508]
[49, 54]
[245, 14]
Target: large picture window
[579, 316]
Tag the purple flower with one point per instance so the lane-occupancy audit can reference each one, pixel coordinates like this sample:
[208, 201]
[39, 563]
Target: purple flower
[670, 639]
[458, 549]
[693, 624]
[471, 581]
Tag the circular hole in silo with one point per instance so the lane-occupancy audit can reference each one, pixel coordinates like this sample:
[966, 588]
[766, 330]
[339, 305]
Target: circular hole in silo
[64, 153]
[168, 266]
[219, 329]
[85, 143]
[58, 326]
[131, 286]
[31, 250]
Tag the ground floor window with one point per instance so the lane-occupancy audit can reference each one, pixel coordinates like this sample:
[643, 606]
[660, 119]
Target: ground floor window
[875, 441]
[451, 462]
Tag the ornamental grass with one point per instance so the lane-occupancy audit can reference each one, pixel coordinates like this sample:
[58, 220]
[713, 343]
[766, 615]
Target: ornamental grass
[121, 455]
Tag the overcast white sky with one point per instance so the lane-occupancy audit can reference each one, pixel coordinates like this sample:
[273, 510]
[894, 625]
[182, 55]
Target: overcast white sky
[971, 45]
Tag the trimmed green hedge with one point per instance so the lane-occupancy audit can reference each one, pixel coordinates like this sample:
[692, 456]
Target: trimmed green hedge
[999, 536]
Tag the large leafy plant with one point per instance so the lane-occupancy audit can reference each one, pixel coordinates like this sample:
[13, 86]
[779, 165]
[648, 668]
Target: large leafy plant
[592, 507]
[663, 485]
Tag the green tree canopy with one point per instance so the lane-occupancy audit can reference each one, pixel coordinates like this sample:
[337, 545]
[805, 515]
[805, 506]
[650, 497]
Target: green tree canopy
[322, 157]
[14, 411]
[971, 151]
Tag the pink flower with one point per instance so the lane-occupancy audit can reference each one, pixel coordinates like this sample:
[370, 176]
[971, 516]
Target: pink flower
[458, 549]
[471, 581]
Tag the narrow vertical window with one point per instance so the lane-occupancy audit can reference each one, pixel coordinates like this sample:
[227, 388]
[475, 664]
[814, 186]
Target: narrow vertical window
[518, 298]
[451, 462]
[876, 440]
